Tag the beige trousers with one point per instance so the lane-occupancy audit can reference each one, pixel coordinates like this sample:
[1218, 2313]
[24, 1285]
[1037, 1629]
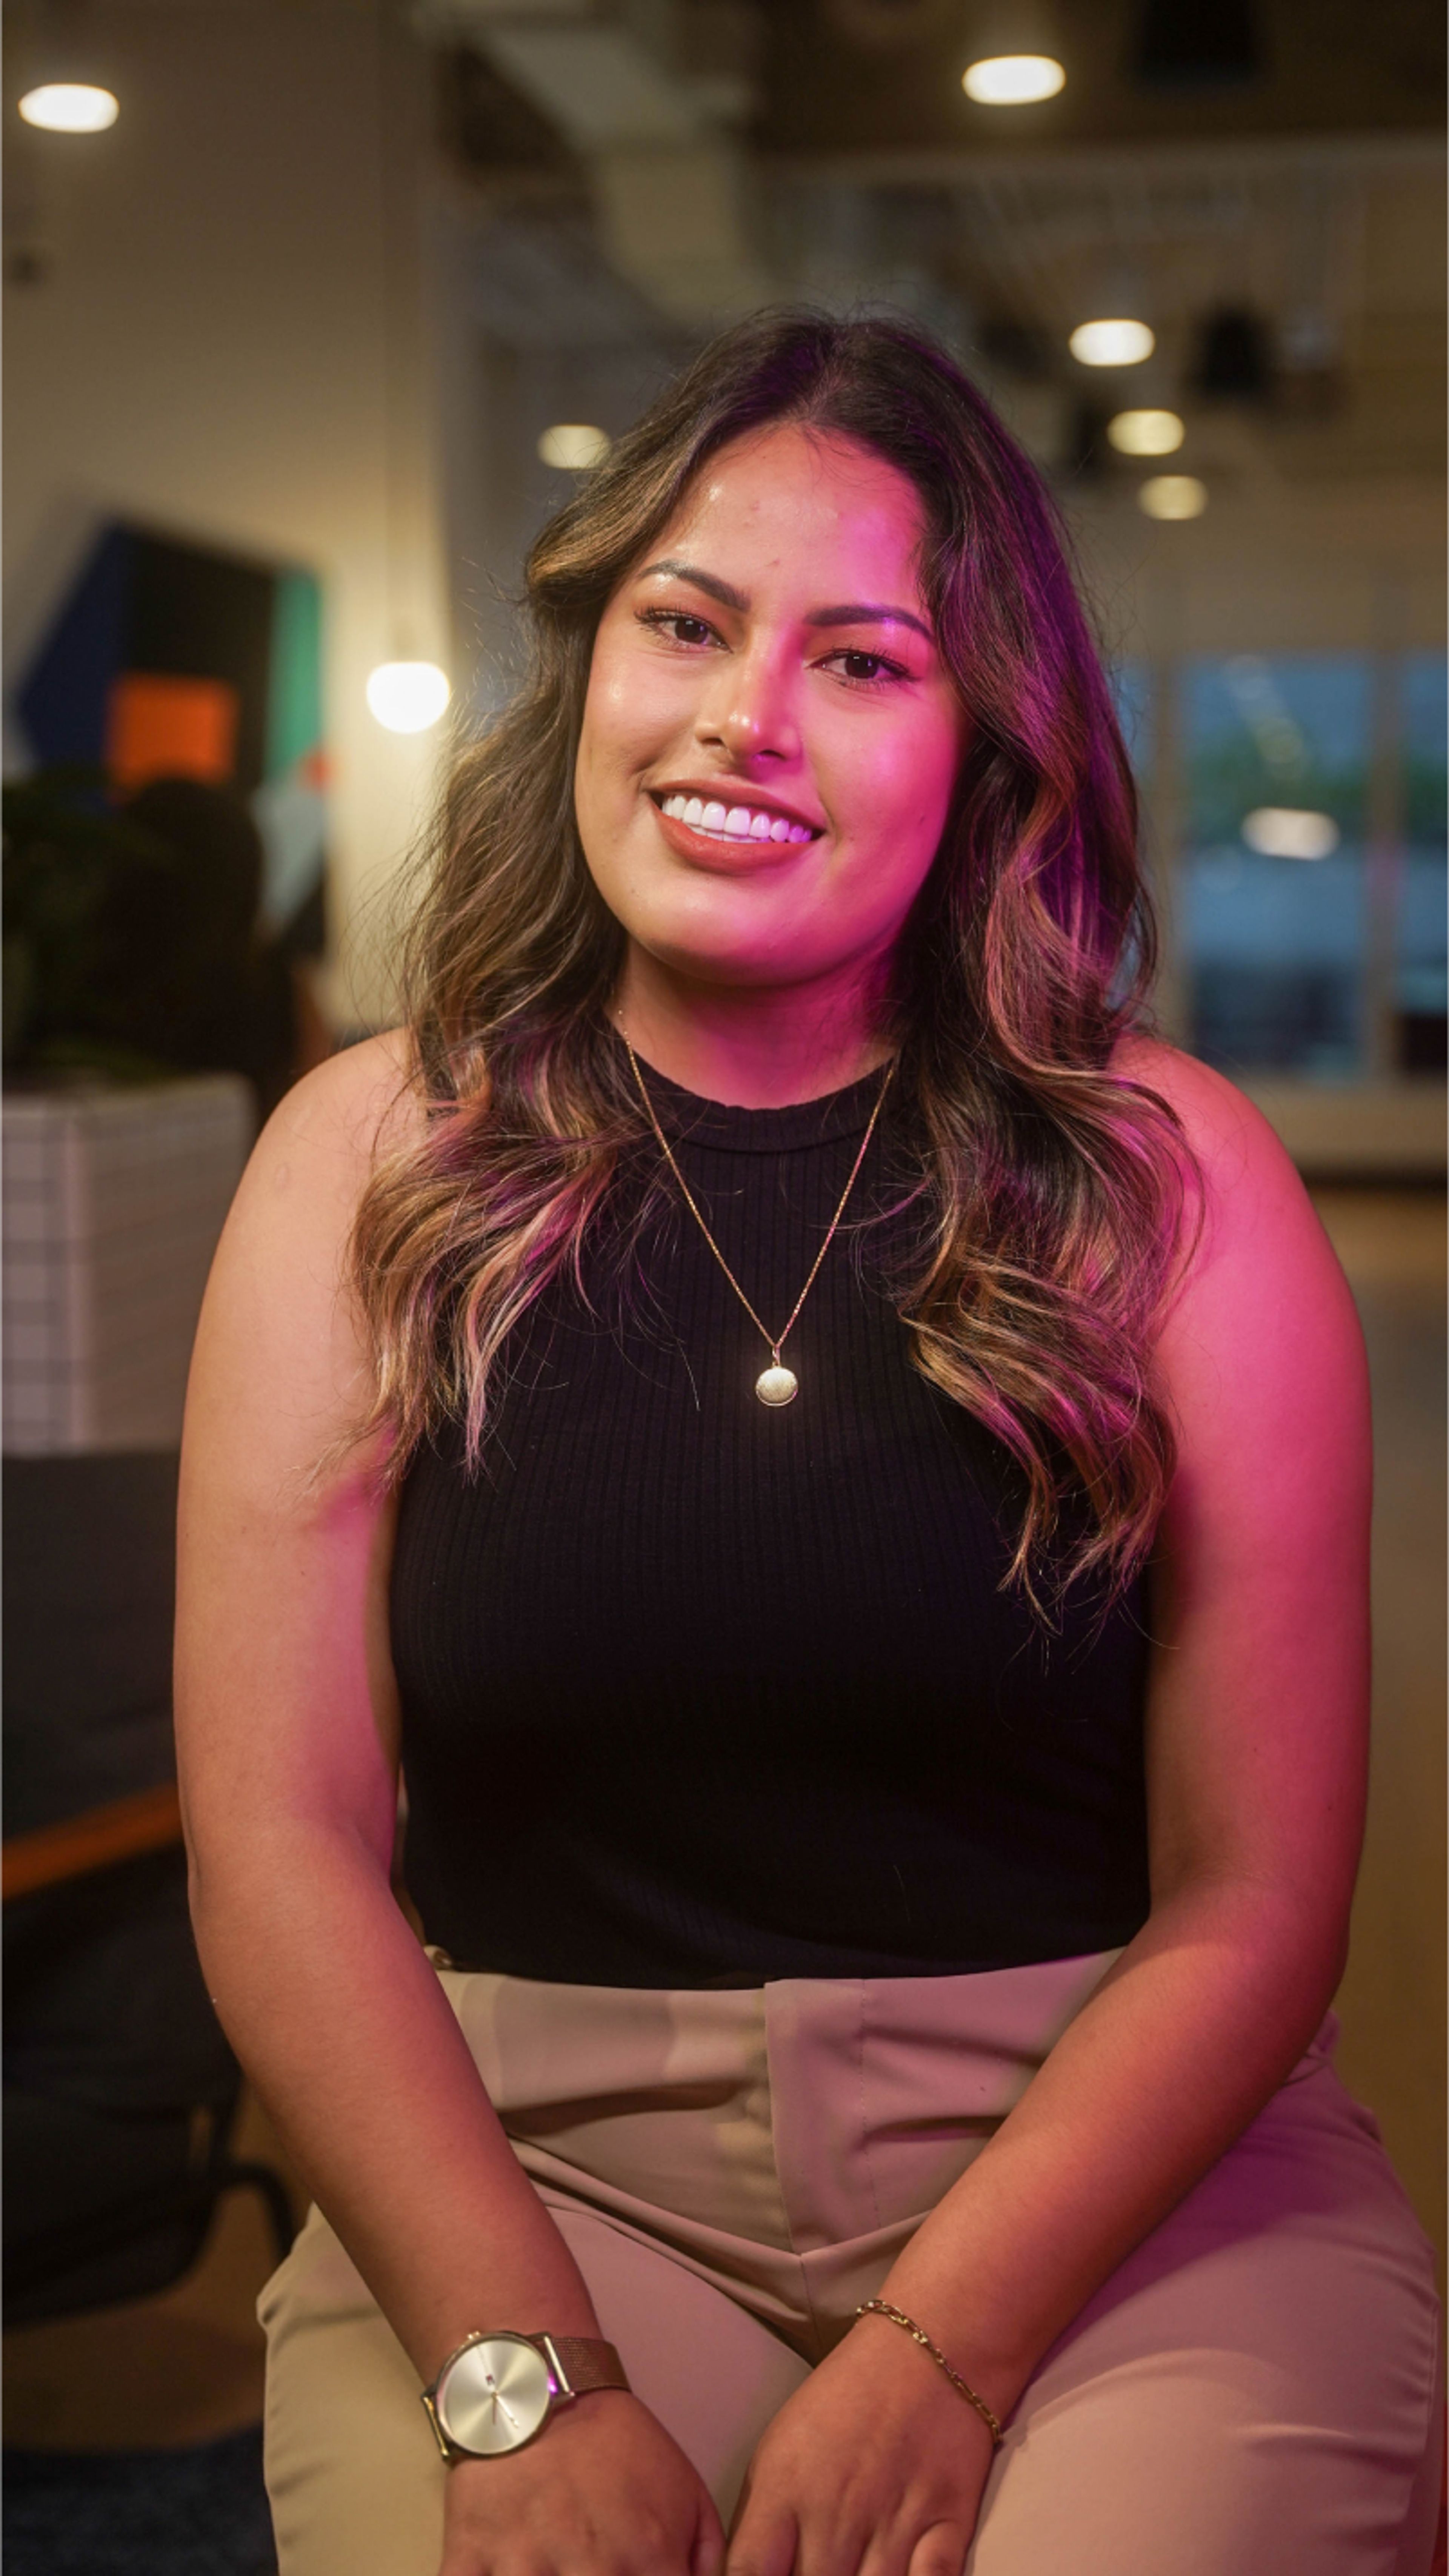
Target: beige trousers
[1256, 2391]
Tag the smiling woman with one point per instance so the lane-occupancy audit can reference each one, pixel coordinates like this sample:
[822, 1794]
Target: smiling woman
[884, 1850]
[816, 582]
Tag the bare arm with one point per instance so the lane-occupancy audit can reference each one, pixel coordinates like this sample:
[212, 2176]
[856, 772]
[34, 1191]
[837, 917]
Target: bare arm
[287, 1731]
[1257, 1730]
[287, 1736]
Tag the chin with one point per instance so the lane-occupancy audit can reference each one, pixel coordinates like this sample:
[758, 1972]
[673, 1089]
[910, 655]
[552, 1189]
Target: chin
[716, 933]
[727, 962]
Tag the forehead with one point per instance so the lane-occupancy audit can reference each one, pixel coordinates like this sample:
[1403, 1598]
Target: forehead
[802, 509]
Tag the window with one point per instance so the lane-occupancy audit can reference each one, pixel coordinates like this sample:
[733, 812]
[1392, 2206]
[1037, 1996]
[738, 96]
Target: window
[1421, 980]
[1275, 755]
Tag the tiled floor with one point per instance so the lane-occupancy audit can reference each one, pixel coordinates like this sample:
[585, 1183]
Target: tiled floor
[188, 2365]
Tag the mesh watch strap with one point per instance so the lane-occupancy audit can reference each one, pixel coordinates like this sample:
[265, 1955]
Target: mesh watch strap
[586, 2363]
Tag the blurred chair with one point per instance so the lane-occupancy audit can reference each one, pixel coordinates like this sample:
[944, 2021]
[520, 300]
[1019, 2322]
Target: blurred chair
[120, 2091]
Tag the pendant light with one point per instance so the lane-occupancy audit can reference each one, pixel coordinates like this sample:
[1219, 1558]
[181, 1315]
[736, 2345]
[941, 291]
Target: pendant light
[1172, 496]
[1146, 433]
[1114, 332]
[64, 91]
[1112, 340]
[1013, 80]
[70, 107]
[407, 697]
[574, 446]
[1016, 57]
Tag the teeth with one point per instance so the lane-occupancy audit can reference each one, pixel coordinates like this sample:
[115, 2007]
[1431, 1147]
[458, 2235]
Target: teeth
[737, 823]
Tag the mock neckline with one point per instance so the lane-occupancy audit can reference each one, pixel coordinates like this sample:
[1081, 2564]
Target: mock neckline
[688, 1117]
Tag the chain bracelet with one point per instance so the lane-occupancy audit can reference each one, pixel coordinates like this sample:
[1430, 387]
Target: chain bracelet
[898, 2317]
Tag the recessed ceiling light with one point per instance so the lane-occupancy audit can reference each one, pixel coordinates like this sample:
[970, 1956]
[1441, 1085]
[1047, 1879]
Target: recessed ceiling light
[1145, 433]
[1172, 496]
[1290, 832]
[70, 107]
[1112, 343]
[1013, 80]
[574, 447]
[408, 697]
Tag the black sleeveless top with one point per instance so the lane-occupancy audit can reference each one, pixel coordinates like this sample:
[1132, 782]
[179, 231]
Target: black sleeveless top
[701, 1693]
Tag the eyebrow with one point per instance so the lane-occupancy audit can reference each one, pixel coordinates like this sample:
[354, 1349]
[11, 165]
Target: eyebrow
[852, 613]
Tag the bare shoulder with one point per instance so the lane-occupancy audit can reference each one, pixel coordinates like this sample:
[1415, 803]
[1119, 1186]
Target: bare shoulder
[279, 1362]
[1253, 1197]
[1226, 1131]
[1263, 1289]
[325, 1137]
[362, 1103]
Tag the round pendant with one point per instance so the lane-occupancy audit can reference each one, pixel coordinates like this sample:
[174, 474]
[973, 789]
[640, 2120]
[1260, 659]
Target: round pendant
[777, 1385]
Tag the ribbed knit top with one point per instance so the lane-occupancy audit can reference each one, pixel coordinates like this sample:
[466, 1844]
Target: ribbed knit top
[701, 1693]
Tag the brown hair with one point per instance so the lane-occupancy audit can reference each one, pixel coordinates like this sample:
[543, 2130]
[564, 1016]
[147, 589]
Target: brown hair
[1053, 1187]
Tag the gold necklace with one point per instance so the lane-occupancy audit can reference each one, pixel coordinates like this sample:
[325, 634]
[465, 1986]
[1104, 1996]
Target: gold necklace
[776, 1384]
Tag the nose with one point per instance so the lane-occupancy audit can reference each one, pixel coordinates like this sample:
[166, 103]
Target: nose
[748, 710]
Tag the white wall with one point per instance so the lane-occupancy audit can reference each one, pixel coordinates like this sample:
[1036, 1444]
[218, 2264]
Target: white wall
[225, 304]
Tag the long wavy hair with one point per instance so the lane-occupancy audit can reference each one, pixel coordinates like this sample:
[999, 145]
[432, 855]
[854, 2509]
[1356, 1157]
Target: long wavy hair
[1052, 1188]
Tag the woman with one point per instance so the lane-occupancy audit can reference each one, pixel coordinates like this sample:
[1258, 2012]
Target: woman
[845, 1880]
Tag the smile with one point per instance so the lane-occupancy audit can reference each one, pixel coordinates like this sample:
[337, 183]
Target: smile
[719, 822]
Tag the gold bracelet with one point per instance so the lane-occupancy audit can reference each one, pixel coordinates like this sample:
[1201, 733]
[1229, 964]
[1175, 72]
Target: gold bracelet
[898, 2317]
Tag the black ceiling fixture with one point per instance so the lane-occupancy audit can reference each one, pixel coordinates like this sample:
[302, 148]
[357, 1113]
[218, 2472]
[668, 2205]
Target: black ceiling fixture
[1234, 359]
[490, 125]
[1019, 348]
[1086, 455]
[1197, 44]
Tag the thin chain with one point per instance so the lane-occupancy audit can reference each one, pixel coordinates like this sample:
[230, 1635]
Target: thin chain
[963, 2388]
[774, 1347]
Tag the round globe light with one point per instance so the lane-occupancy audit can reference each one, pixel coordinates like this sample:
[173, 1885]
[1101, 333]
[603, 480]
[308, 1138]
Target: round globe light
[1145, 433]
[70, 107]
[1112, 343]
[1172, 496]
[1289, 832]
[1013, 80]
[407, 697]
[573, 447]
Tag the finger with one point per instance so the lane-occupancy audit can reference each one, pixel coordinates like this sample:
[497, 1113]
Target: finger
[763, 2543]
[941, 2552]
[707, 2557]
[908, 2551]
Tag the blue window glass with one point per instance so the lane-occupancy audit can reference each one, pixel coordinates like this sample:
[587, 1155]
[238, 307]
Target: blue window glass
[1421, 989]
[1131, 685]
[1276, 757]
[1130, 681]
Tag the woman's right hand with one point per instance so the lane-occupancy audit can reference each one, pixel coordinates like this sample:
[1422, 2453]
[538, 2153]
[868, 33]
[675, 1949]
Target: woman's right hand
[604, 2491]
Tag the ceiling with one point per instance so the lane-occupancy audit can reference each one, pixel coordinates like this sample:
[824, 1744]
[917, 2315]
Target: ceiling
[869, 79]
[672, 164]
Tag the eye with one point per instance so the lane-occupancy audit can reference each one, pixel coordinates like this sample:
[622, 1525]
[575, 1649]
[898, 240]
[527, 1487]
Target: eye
[866, 670]
[678, 624]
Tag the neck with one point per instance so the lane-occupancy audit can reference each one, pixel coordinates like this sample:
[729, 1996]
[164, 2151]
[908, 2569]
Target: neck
[748, 1046]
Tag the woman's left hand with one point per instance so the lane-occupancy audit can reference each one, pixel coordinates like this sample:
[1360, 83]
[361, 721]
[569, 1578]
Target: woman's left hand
[874, 2468]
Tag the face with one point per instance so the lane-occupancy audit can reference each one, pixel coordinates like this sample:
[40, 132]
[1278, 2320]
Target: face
[770, 737]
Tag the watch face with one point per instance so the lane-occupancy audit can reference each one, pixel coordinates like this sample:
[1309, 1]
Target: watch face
[495, 2395]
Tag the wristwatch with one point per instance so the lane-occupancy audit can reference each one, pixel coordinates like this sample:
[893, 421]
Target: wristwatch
[497, 2391]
